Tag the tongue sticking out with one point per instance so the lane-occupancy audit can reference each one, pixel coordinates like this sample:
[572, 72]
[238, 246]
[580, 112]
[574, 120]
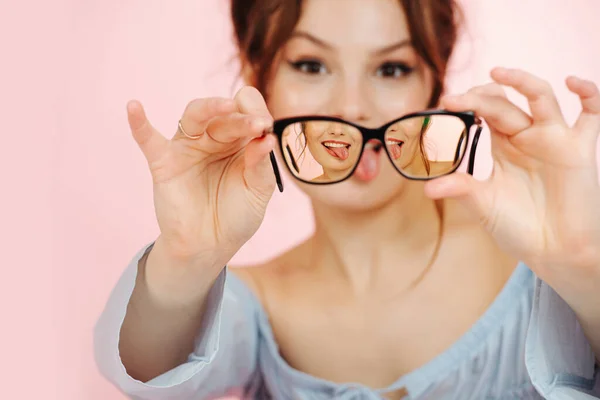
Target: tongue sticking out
[339, 152]
[368, 166]
[396, 150]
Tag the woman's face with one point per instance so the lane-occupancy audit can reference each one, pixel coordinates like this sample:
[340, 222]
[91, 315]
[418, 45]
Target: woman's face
[351, 59]
[403, 140]
[334, 146]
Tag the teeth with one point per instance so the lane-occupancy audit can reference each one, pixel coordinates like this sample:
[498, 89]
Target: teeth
[327, 144]
[393, 142]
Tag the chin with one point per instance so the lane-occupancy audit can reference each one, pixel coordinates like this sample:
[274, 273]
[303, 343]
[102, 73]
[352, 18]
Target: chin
[359, 196]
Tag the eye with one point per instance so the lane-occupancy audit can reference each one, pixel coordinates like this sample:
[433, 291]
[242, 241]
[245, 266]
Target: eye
[393, 70]
[311, 67]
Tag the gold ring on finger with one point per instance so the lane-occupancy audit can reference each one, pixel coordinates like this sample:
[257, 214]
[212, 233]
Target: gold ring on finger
[180, 128]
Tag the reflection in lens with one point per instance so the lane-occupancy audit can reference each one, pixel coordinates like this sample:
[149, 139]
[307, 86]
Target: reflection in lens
[321, 151]
[426, 146]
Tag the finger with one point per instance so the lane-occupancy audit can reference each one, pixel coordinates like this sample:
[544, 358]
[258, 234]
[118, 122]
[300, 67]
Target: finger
[249, 121]
[489, 89]
[542, 100]
[222, 131]
[500, 113]
[249, 101]
[258, 172]
[473, 194]
[199, 112]
[150, 141]
[588, 93]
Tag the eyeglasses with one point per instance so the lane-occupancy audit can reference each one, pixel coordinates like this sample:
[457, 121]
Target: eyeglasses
[324, 150]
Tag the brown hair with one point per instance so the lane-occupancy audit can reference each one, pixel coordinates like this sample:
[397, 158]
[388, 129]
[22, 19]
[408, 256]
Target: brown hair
[262, 27]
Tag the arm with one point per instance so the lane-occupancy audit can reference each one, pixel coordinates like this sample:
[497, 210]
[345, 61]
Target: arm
[165, 314]
[558, 354]
[541, 206]
[591, 326]
[579, 287]
[151, 349]
[169, 332]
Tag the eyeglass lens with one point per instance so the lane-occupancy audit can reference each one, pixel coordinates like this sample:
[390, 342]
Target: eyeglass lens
[419, 147]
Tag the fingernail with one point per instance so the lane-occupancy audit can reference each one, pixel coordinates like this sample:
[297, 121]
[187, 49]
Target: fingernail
[226, 104]
[504, 71]
[439, 185]
[266, 124]
[267, 131]
[260, 124]
[452, 98]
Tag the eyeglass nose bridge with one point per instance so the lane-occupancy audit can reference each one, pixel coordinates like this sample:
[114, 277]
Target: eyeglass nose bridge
[370, 134]
[377, 134]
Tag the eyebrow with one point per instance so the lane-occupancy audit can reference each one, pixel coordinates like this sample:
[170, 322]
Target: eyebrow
[395, 46]
[311, 38]
[327, 46]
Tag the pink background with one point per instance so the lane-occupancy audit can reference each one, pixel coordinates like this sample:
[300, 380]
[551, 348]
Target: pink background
[76, 194]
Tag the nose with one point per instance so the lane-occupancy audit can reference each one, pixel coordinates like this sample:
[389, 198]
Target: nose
[338, 129]
[350, 101]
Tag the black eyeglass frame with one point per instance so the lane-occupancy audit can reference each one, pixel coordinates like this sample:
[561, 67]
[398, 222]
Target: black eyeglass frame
[467, 117]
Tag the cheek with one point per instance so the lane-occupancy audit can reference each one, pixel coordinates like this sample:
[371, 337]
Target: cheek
[312, 134]
[396, 98]
[289, 96]
[311, 140]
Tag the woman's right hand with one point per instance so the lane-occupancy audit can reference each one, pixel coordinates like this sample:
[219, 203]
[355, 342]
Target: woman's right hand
[211, 193]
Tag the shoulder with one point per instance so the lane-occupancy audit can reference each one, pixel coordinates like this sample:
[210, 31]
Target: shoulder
[264, 279]
[258, 278]
[250, 277]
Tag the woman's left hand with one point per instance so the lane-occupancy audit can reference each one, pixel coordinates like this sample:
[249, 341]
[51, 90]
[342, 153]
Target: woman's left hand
[542, 201]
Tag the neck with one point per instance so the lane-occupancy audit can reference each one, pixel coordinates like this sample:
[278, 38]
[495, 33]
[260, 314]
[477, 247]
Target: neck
[393, 243]
[333, 175]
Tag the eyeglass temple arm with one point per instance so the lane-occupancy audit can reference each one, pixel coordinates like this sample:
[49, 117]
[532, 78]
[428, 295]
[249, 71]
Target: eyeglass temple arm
[457, 152]
[276, 171]
[274, 162]
[471, 166]
[292, 159]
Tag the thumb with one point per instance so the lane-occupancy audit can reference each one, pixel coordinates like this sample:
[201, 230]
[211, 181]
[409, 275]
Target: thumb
[475, 195]
[151, 142]
[258, 172]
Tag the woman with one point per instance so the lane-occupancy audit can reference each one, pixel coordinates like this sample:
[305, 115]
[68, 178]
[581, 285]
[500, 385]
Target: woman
[321, 151]
[407, 289]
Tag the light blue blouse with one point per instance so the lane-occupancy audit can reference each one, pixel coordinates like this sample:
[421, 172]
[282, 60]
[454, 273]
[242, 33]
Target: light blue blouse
[527, 345]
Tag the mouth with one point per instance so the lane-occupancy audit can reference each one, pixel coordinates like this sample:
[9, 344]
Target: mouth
[395, 147]
[337, 149]
[374, 145]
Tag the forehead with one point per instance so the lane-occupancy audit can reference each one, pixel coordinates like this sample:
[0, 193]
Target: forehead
[350, 23]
